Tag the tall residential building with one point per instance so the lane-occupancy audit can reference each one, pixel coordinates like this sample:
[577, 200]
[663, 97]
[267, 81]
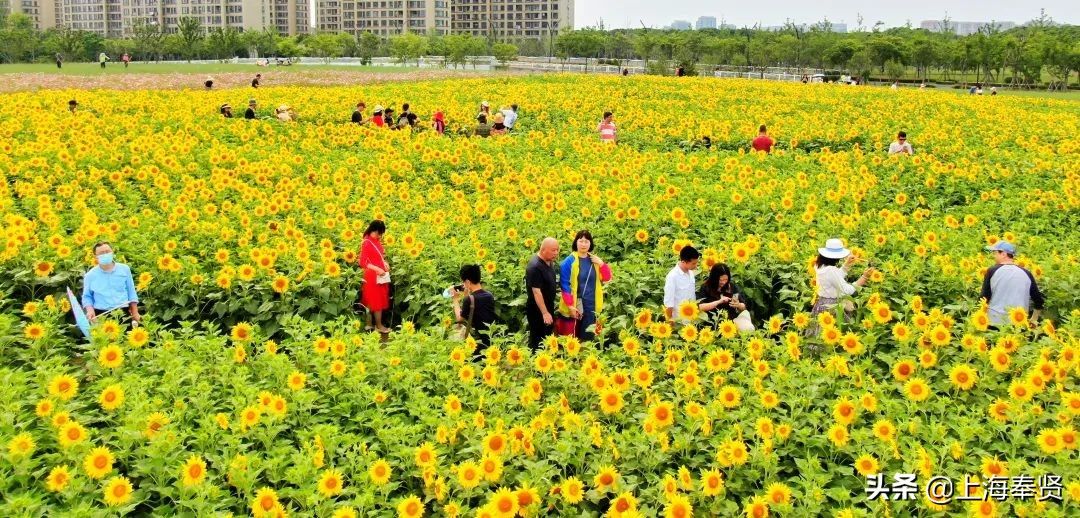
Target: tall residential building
[242, 15]
[508, 20]
[963, 28]
[287, 16]
[118, 18]
[705, 22]
[384, 17]
[681, 25]
[104, 17]
[42, 13]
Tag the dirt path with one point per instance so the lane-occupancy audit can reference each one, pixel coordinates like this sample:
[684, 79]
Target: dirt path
[30, 81]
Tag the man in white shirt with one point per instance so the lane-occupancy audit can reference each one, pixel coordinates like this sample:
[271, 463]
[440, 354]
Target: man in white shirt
[679, 286]
[510, 116]
[901, 145]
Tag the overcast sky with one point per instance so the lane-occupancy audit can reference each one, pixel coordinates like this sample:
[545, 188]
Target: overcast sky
[660, 13]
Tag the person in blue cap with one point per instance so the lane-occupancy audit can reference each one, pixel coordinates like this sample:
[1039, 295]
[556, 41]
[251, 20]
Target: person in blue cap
[109, 286]
[1008, 286]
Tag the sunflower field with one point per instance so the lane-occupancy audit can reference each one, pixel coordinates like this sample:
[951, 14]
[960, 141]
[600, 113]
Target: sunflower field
[252, 389]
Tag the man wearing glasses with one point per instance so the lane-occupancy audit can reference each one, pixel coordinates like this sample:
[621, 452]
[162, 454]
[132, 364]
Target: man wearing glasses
[901, 145]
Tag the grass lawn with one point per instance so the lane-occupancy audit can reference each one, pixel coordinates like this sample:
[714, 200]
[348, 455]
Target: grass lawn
[1041, 93]
[1072, 95]
[93, 69]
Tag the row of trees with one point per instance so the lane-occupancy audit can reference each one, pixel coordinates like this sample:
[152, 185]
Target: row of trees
[1020, 56]
[1039, 52]
[20, 42]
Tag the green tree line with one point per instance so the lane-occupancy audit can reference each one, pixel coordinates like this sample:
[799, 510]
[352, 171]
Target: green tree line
[21, 42]
[1038, 53]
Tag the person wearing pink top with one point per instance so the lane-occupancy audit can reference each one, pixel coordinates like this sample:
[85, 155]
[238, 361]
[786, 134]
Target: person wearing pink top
[607, 129]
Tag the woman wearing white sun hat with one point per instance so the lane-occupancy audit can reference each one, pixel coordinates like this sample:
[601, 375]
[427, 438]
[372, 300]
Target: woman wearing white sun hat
[832, 285]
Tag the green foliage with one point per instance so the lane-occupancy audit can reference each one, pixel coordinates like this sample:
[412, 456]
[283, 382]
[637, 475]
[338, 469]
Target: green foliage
[368, 45]
[190, 37]
[504, 53]
[223, 43]
[407, 47]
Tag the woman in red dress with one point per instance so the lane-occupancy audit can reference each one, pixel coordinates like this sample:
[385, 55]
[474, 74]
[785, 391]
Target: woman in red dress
[376, 291]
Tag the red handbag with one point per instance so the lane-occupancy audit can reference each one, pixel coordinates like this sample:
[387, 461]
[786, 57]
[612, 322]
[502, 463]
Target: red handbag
[565, 326]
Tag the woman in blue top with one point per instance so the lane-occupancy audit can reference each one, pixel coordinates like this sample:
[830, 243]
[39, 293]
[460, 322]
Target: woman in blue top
[582, 276]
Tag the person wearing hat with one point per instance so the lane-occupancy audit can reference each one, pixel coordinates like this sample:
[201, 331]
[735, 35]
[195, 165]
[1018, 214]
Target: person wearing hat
[73, 105]
[226, 111]
[485, 110]
[440, 123]
[498, 128]
[832, 285]
[1007, 285]
[249, 114]
[358, 114]
[388, 118]
[377, 117]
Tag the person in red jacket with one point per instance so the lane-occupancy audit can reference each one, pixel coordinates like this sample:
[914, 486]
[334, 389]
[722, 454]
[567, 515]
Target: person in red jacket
[763, 142]
[376, 291]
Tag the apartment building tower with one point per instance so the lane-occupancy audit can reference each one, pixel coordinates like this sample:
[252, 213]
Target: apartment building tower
[118, 18]
[508, 20]
[384, 18]
[42, 13]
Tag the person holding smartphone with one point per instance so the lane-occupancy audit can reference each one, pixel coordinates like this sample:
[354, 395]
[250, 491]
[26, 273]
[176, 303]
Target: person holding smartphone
[722, 300]
[582, 277]
[474, 307]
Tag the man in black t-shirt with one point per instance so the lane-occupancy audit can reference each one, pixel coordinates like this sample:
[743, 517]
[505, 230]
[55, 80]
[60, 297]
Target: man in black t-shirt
[482, 313]
[250, 112]
[358, 114]
[540, 291]
[257, 81]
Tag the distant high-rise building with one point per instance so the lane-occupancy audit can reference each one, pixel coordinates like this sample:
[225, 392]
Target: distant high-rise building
[118, 18]
[42, 13]
[500, 20]
[384, 18]
[681, 25]
[508, 20]
[705, 22]
[104, 17]
[963, 28]
[242, 15]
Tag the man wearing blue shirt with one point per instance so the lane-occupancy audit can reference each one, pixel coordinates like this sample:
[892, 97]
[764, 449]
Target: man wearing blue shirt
[109, 286]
